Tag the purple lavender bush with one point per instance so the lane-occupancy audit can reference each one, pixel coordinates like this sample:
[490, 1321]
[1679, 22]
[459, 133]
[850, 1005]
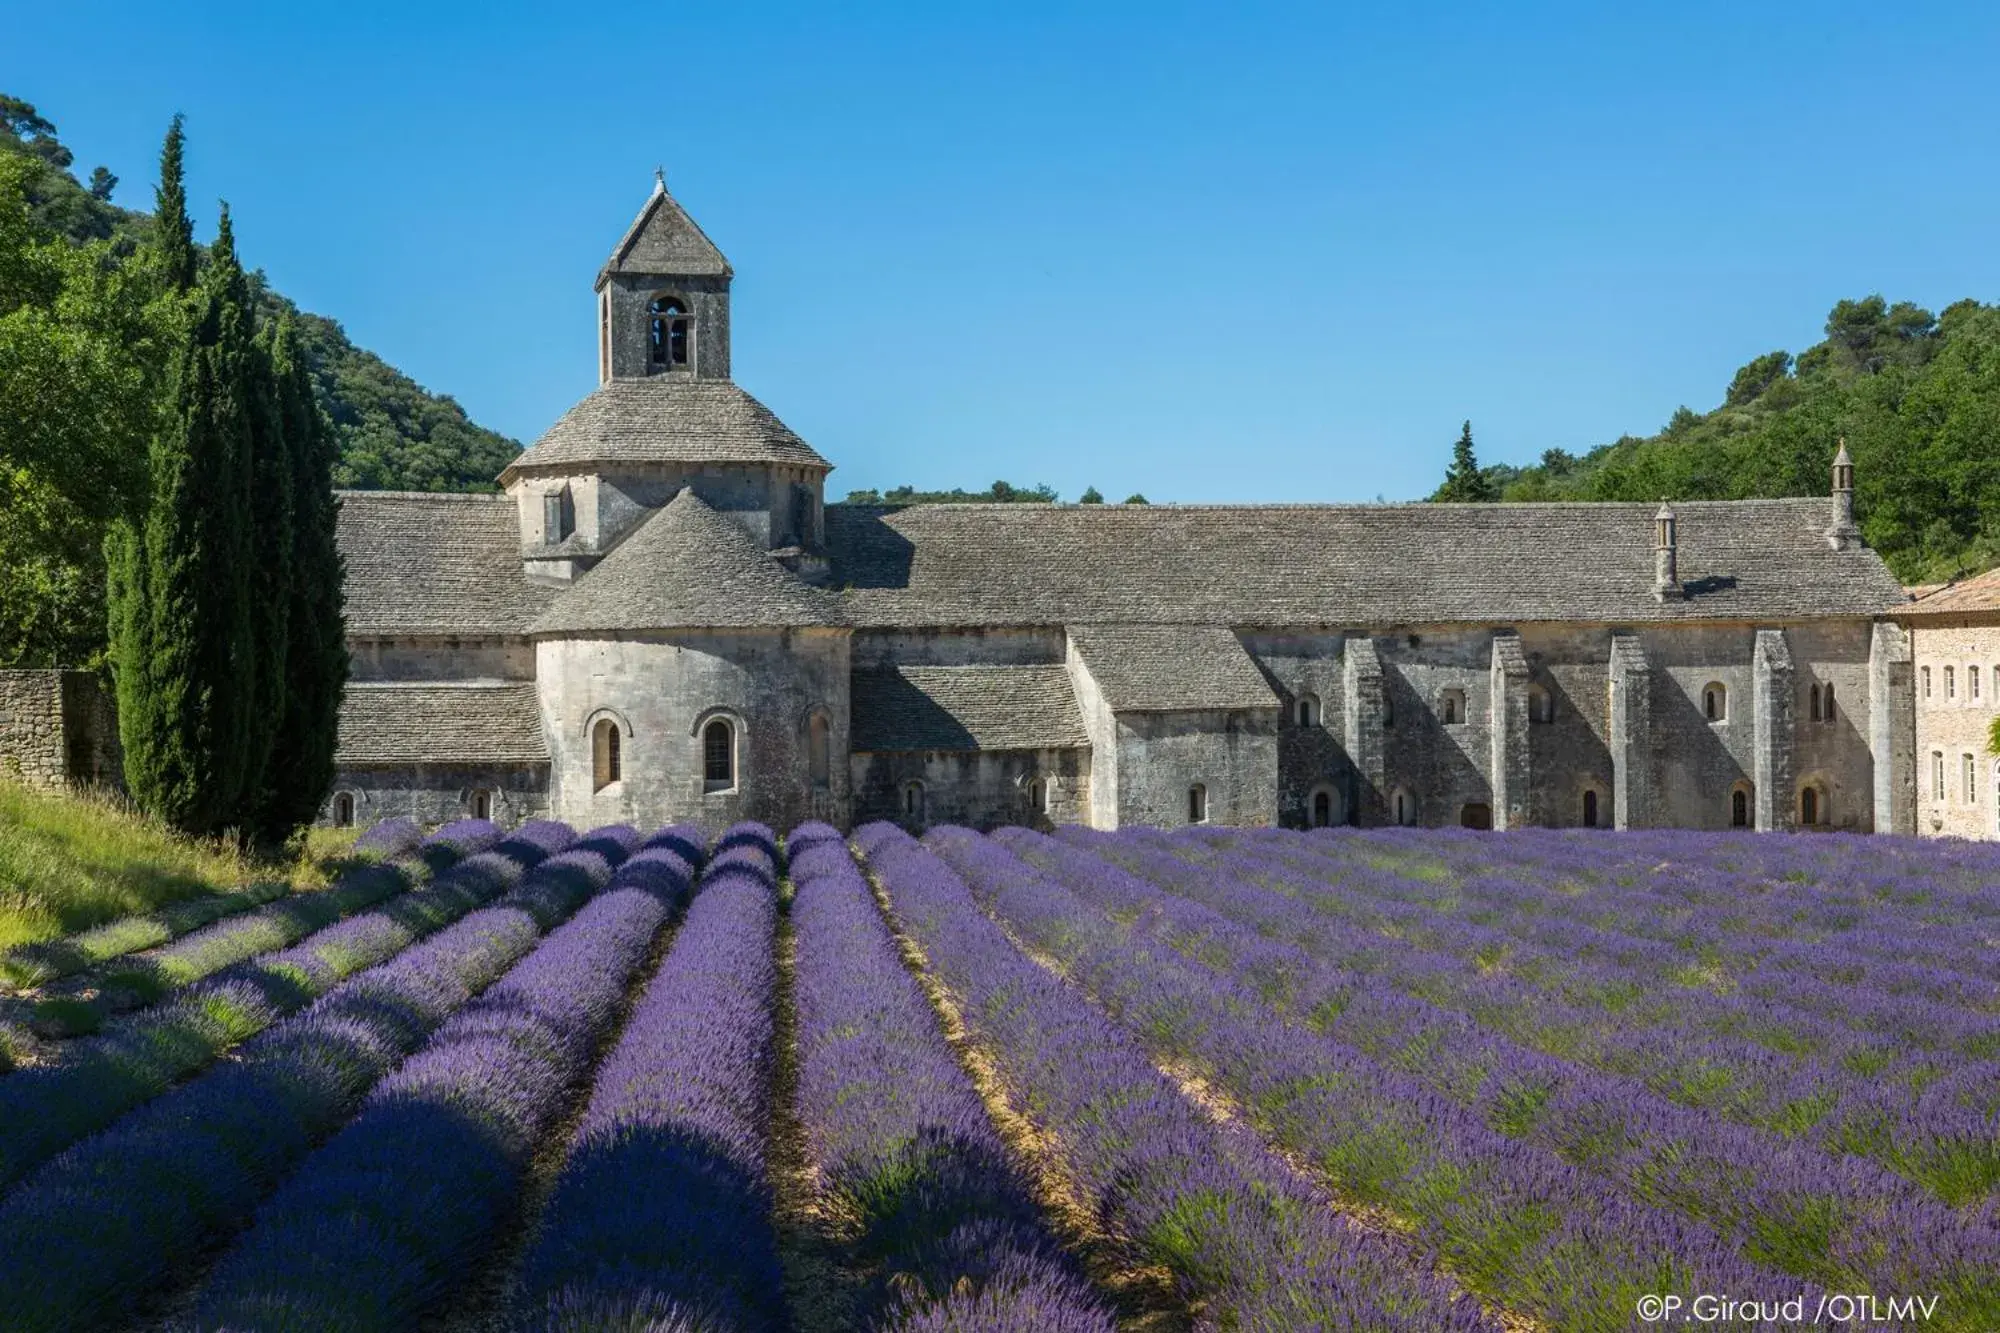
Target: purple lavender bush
[97, 1079]
[110, 1219]
[936, 1212]
[385, 1221]
[1238, 1229]
[660, 1218]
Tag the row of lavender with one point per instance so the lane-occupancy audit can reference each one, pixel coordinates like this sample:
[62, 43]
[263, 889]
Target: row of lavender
[1909, 1083]
[114, 1217]
[1241, 1233]
[1391, 1094]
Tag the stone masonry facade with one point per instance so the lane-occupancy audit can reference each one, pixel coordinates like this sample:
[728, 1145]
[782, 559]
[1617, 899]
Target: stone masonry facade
[58, 728]
[661, 619]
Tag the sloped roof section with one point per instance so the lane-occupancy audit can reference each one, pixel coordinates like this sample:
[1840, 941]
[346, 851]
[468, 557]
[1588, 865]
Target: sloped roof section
[664, 240]
[965, 708]
[686, 567]
[1170, 668]
[423, 564]
[1252, 565]
[668, 419]
[394, 726]
[1974, 596]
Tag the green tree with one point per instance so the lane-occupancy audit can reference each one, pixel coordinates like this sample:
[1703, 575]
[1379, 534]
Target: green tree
[173, 233]
[1464, 483]
[1091, 496]
[186, 659]
[1137, 499]
[315, 665]
[1754, 380]
[268, 515]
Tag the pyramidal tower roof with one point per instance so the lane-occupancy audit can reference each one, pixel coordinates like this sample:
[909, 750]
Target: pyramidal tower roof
[687, 567]
[663, 239]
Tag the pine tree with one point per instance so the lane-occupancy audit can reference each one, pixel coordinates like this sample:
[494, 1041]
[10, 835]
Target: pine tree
[315, 669]
[173, 234]
[1091, 496]
[1464, 483]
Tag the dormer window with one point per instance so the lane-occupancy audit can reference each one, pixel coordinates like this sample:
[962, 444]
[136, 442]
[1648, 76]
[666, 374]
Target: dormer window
[671, 342]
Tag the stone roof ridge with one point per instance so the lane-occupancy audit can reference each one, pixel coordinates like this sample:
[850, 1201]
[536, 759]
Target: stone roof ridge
[461, 497]
[1816, 504]
[666, 241]
[686, 567]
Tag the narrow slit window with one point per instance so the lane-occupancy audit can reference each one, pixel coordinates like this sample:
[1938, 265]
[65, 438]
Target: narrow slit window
[1739, 808]
[1197, 804]
[1715, 703]
[1590, 809]
[1828, 702]
[343, 810]
[607, 760]
[718, 755]
[482, 804]
[1971, 780]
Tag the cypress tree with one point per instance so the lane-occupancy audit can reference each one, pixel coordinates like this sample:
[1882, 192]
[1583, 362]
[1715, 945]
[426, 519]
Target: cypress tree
[173, 234]
[315, 670]
[193, 661]
[269, 575]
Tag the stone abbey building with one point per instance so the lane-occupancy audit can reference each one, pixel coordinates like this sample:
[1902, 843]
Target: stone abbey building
[662, 619]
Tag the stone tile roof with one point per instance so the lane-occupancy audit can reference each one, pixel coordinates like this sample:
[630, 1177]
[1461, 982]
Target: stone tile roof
[965, 708]
[686, 567]
[667, 419]
[1170, 668]
[395, 725]
[1251, 565]
[663, 239]
[1973, 596]
[419, 563]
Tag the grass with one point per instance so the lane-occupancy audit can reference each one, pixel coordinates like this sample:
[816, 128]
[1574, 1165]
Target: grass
[71, 861]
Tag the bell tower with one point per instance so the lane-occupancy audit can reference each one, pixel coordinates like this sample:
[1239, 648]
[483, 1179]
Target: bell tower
[663, 298]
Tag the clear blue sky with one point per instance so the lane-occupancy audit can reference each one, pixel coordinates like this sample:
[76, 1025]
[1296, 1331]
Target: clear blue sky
[1220, 252]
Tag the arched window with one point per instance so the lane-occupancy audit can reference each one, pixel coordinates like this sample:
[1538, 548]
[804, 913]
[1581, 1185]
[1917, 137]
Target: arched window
[1388, 707]
[1322, 810]
[1739, 807]
[1950, 683]
[672, 332]
[1038, 796]
[1402, 807]
[1590, 808]
[1541, 705]
[1309, 714]
[1197, 804]
[1715, 702]
[1826, 700]
[1451, 707]
[819, 762]
[607, 764]
[718, 755]
[482, 803]
[343, 810]
[1813, 810]
[1815, 703]
[913, 802]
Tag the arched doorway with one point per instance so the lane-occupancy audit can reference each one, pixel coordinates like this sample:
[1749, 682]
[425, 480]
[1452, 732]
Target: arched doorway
[1590, 809]
[1476, 814]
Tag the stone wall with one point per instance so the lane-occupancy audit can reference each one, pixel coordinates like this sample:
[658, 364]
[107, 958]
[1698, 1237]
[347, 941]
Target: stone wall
[1952, 724]
[57, 728]
[438, 793]
[1233, 754]
[661, 690]
[980, 789]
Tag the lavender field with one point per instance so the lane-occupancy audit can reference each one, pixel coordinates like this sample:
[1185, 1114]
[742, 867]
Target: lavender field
[1232, 1079]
